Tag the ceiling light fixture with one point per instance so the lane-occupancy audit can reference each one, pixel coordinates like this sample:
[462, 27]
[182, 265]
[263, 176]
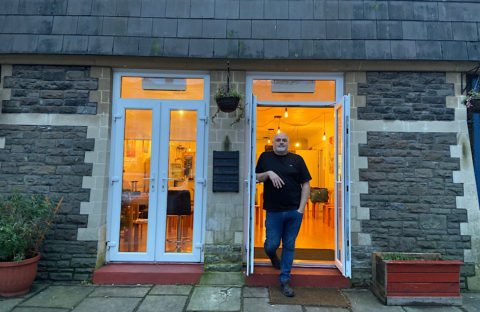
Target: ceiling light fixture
[278, 128]
[324, 137]
[298, 143]
[270, 130]
[286, 113]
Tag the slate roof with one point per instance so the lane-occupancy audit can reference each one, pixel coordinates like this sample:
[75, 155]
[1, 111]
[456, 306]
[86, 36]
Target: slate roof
[249, 29]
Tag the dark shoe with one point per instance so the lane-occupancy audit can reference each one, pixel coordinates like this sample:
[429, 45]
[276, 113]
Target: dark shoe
[286, 289]
[275, 262]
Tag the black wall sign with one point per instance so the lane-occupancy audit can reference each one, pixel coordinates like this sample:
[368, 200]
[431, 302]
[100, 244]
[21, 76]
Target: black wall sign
[225, 171]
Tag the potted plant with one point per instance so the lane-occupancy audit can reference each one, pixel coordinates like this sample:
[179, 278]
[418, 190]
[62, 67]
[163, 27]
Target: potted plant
[24, 222]
[227, 99]
[415, 278]
[473, 97]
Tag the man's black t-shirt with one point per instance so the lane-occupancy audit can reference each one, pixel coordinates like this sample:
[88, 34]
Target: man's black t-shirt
[292, 170]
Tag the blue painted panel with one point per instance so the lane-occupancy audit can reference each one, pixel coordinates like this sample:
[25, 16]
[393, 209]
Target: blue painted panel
[476, 149]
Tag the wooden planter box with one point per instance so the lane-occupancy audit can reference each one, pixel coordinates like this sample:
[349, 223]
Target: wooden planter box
[431, 281]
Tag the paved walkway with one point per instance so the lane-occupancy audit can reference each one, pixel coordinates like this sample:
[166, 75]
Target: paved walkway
[201, 297]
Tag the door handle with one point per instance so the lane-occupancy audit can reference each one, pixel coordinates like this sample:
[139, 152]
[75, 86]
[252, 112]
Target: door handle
[164, 179]
[152, 184]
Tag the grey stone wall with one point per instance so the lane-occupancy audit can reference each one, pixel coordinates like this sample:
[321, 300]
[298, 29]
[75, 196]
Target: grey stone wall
[225, 210]
[50, 160]
[412, 197]
[406, 96]
[50, 89]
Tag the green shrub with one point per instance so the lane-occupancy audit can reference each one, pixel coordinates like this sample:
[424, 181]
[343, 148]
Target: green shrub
[222, 92]
[399, 256]
[24, 221]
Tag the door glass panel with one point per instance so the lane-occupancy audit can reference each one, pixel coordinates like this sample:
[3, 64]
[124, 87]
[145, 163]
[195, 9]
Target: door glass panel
[135, 180]
[339, 223]
[135, 88]
[339, 144]
[339, 218]
[181, 181]
[323, 91]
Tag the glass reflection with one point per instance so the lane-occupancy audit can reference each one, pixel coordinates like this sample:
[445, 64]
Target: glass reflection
[135, 181]
[181, 181]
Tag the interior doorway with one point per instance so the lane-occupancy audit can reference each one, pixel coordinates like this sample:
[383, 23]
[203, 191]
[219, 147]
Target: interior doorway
[309, 108]
[312, 135]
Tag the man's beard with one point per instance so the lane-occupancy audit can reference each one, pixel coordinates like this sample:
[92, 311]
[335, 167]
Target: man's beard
[280, 148]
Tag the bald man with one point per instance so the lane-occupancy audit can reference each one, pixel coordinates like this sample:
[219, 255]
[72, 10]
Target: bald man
[286, 190]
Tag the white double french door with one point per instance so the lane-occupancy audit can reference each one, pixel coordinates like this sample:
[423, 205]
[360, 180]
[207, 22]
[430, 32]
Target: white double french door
[157, 181]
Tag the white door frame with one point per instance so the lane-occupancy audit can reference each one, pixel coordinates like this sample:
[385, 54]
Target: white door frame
[343, 262]
[116, 146]
[249, 210]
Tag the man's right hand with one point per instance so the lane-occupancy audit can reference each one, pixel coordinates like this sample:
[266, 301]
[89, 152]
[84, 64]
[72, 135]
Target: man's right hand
[276, 180]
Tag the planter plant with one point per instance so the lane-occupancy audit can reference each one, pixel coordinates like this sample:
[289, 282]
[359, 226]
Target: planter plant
[227, 100]
[24, 222]
[472, 98]
[415, 278]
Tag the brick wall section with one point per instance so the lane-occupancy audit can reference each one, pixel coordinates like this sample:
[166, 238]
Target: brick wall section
[412, 196]
[406, 96]
[50, 160]
[50, 89]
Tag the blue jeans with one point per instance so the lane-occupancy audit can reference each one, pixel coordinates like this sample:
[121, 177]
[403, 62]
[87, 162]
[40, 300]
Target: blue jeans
[282, 226]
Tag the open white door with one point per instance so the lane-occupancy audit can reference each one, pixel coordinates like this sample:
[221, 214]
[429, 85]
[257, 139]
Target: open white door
[342, 186]
[249, 198]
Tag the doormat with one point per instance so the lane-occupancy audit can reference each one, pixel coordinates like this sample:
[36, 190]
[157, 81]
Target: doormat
[300, 254]
[331, 297]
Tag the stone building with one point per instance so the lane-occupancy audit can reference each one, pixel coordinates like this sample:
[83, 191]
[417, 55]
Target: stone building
[110, 104]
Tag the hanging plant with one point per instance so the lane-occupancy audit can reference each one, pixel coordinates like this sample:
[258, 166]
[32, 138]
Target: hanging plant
[227, 100]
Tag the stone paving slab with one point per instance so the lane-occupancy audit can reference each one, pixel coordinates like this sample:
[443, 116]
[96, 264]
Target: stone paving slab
[59, 297]
[255, 292]
[108, 305]
[215, 298]
[362, 300]
[326, 309]
[163, 304]
[120, 291]
[432, 309]
[222, 278]
[471, 301]
[8, 304]
[34, 309]
[171, 290]
[263, 305]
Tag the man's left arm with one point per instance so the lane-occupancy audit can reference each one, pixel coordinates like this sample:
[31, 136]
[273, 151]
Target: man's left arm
[304, 196]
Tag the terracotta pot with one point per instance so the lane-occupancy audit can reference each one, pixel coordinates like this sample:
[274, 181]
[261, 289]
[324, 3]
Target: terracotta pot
[228, 104]
[17, 277]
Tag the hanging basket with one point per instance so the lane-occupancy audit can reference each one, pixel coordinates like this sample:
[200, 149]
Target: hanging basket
[228, 104]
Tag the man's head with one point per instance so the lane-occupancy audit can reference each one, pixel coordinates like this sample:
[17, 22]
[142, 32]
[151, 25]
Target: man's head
[280, 144]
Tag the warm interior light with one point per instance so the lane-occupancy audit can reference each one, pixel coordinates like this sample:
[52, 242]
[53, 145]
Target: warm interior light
[278, 130]
[286, 113]
[181, 112]
[297, 144]
[324, 137]
[269, 141]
